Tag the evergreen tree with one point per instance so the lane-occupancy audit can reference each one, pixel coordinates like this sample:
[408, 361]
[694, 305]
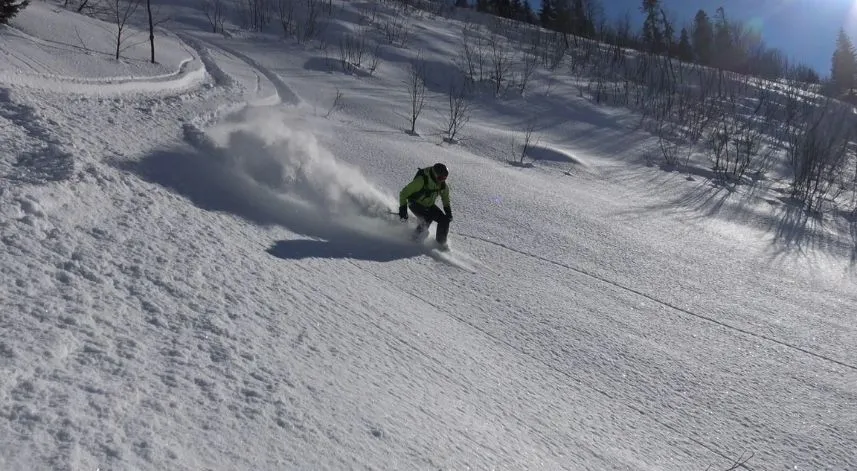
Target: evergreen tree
[722, 54]
[702, 38]
[652, 34]
[461, 3]
[483, 6]
[685, 49]
[10, 8]
[503, 8]
[563, 17]
[844, 64]
[804, 73]
[529, 15]
[517, 10]
[547, 15]
[583, 25]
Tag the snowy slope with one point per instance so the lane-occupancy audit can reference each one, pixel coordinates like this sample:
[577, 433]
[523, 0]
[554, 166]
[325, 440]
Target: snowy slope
[198, 272]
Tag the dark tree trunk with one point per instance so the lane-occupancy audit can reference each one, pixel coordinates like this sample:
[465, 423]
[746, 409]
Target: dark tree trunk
[151, 29]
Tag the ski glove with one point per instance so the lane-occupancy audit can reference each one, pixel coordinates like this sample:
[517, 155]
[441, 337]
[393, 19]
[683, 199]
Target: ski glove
[403, 213]
[448, 212]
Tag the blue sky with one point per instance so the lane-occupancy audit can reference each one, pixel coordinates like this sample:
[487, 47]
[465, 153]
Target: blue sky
[804, 29]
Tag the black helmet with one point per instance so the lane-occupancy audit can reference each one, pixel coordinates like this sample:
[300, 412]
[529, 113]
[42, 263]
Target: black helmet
[440, 171]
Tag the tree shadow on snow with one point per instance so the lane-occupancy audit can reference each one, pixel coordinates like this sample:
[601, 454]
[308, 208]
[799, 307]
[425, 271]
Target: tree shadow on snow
[793, 229]
[211, 180]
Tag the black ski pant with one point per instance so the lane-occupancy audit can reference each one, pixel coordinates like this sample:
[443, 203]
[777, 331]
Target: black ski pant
[432, 214]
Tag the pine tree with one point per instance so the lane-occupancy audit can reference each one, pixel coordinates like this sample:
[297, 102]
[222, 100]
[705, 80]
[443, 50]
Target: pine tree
[482, 6]
[582, 24]
[529, 15]
[503, 8]
[517, 10]
[685, 49]
[722, 56]
[652, 34]
[563, 19]
[547, 15]
[702, 38]
[461, 3]
[10, 8]
[844, 64]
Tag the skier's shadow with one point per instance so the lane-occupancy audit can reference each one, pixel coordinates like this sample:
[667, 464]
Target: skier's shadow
[373, 250]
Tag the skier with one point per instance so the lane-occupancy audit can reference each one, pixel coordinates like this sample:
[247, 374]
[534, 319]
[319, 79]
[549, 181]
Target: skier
[420, 196]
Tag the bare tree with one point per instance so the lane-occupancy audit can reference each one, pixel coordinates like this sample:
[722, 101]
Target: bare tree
[121, 11]
[819, 151]
[351, 50]
[459, 109]
[337, 104]
[374, 58]
[215, 11]
[528, 140]
[474, 54]
[286, 15]
[396, 30]
[311, 26]
[500, 61]
[529, 61]
[153, 22]
[416, 90]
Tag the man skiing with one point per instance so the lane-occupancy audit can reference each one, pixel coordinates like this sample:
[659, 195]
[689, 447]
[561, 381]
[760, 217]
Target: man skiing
[420, 196]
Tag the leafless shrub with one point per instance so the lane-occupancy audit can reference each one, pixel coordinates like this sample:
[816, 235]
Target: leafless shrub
[368, 14]
[215, 12]
[416, 84]
[501, 61]
[528, 142]
[286, 15]
[474, 58]
[528, 62]
[554, 51]
[669, 142]
[819, 150]
[257, 13]
[374, 58]
[336, 105]
[351, 50]
[459, 109]
[311, 27]
[396, 31]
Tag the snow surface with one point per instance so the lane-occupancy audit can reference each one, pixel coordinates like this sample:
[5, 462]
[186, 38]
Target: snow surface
[202, 273]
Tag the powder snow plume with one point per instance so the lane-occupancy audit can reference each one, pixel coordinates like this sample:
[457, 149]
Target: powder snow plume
[264, 166]
[271, 149]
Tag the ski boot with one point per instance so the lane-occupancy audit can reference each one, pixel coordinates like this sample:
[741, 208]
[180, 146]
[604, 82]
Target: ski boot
[421, 232]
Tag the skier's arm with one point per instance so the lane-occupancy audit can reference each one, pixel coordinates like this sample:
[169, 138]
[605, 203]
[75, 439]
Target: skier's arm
[409, 190]
[444, 197]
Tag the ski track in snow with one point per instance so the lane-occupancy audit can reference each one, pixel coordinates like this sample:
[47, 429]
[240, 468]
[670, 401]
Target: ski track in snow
[192, 304]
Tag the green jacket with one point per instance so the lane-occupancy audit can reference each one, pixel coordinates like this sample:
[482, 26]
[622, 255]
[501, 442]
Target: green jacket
[424, 189]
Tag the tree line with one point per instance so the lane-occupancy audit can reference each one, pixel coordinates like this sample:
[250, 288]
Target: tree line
[717, 41]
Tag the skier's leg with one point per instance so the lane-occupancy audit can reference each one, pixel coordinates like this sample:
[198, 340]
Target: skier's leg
[424, 217]
[437, 215]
